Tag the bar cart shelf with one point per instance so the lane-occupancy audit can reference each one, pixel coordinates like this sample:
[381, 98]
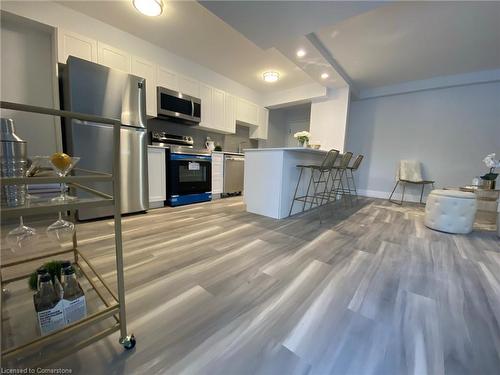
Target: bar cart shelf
[112, 302]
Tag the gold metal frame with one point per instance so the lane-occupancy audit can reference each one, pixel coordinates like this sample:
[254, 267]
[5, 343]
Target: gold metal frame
[115, 308]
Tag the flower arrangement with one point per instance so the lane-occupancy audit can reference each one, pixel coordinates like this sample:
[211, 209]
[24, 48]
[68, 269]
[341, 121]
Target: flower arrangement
[491, 163]
[302, 136]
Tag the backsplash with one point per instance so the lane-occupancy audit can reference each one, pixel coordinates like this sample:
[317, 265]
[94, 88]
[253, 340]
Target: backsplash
[229, 142]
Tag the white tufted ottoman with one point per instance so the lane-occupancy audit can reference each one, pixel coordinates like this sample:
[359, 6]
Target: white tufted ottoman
[450, 211]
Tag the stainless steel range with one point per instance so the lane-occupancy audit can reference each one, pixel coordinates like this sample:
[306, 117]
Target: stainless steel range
[189, 171]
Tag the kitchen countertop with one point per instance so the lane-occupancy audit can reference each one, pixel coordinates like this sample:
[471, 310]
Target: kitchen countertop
[294, 149]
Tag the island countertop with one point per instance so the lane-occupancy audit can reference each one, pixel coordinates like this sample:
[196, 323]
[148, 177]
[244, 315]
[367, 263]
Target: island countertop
[295, 149]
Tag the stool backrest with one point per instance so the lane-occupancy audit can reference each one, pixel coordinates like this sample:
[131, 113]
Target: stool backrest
[329, 160]
[357, 162]
[346, 158]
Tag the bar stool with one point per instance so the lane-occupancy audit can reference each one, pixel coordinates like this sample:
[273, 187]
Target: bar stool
[337, 184]
[324, 170]
[350, 174]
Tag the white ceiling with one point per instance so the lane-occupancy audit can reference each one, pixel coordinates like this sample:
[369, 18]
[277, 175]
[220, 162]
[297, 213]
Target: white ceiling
[269, 23]
[189, 30]
[413, 41]
[372, 44]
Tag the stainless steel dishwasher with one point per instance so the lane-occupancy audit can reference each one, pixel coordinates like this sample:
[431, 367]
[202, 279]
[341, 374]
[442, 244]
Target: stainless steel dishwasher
[233, 173]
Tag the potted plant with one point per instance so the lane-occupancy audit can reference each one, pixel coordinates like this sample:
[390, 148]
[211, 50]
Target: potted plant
[303, 137]
[489, 179]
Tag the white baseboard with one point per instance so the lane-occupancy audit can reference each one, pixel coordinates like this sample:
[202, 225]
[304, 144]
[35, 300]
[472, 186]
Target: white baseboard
[409, 197]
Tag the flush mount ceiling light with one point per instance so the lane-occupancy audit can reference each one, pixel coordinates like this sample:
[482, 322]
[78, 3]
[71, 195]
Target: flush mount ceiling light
[149, 7]
[301, 53]
[324, 76]
[271, 76]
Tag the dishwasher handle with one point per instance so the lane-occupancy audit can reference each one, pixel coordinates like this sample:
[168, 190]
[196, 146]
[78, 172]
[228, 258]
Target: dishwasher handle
[235, 158]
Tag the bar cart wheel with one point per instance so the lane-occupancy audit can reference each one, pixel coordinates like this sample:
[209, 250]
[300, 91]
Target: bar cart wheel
[128, 342]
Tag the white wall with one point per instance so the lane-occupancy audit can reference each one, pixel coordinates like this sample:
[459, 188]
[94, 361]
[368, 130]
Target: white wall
[60, 16]
[449, 130]
[27, 77]
[329, 120]
[284, 123]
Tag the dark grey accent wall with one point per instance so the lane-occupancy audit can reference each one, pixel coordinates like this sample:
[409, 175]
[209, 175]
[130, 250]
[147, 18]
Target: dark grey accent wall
[228, 142]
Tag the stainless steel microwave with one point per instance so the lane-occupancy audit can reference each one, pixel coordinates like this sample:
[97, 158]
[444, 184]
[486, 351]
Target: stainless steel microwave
[177, 106]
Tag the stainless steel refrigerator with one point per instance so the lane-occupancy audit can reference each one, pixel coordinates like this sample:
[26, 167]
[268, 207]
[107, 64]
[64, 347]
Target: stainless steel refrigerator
[98, 90]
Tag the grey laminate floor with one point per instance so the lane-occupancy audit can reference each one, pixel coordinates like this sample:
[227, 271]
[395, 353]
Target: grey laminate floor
[212, 289]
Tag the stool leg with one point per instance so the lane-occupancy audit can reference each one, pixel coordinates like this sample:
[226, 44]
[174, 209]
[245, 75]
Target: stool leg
[295, 194]
[403, 195]
[354, 185]
[316, 184]
[308, 188]
[348, 187]
[422, 193]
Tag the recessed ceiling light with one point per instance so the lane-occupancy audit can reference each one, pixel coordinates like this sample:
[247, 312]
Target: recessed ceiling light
[324, 76]
[149, 7]
[301, 53]
[271, 76]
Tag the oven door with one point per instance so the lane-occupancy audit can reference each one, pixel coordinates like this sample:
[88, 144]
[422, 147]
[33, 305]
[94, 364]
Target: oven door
[190, 175]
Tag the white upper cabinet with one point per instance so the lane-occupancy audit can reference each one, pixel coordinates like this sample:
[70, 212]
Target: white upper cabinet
[189, 86]
[247, 112]
[71, 44]
[167, 79]
[218, 110]
[260, 131]
[230, 113]
[206, 106]
[146, 69]
[113, 57]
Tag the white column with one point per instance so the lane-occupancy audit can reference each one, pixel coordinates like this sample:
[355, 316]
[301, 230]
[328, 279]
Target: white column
[329, 118]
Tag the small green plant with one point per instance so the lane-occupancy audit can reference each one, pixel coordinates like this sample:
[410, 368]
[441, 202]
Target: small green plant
[218, 148]
[54, 269]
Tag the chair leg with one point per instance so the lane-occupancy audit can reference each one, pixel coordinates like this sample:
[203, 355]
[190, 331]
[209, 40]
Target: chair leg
[393, 190]
[403, 195]
[348, 187]
[422, 193]
[295, 194]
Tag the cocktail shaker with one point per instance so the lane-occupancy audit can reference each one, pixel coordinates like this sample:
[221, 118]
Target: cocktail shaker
[13, 163]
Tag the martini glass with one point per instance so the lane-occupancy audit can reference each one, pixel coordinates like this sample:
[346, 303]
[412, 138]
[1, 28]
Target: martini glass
[61, 230]
[62, 169]
[20, 236]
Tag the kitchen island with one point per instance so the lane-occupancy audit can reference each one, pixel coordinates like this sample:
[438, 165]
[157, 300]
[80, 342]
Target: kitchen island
[271, 177]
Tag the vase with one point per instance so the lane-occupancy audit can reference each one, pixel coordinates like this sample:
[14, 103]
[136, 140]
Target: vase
[303, 144]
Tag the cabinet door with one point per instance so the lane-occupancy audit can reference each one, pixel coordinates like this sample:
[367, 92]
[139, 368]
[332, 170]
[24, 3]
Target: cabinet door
[247, 112]
[189, 86]
[263, 123]
[113, 57]
[230, 114]
[146, 69]
[217, 172]
[218, 110]
[206, 106]
[167, 79]
[71, 44]
[156, 174]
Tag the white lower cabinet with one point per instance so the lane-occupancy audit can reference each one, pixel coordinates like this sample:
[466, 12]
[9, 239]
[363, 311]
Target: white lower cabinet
[156, 177]
[217, 174]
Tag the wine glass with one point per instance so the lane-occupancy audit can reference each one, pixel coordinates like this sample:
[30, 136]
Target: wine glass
[36, 164]
[20, 236]
[61, 230]
[62, 166]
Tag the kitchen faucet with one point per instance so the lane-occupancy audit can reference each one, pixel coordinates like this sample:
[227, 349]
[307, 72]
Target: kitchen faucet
[239, 146]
